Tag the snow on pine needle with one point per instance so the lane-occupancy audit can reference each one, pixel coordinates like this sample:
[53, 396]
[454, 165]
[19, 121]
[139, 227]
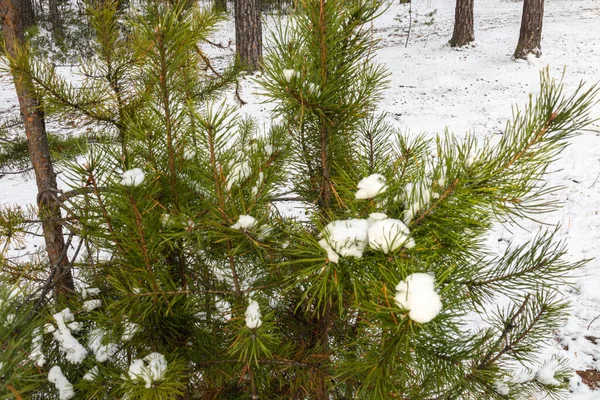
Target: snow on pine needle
[416, 294]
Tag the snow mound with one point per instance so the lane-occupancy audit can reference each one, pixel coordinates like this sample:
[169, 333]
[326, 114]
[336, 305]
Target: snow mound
[388, 235]
[244, 222]
[371, 186]
[64, 387]
[133, 177]
[346, 238]
[152, 372]
[417, 295]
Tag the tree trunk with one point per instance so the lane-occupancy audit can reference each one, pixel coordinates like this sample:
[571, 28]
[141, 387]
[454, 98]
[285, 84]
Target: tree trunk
[56, 22]
[28, 14]
[530, 39]
[464, 32]
[220, 5]
[39, 152]
[248, 33]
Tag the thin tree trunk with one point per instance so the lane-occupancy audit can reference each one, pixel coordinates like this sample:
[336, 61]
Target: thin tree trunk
[39, 152]
[248, 33]
[56, 22]
[464, 31]
[530, 39]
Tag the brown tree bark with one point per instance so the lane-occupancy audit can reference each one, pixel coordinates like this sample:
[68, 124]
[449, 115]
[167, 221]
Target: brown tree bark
[56, 21]
[248, 33]
[39, 152]
[530, 38]
[464, 31]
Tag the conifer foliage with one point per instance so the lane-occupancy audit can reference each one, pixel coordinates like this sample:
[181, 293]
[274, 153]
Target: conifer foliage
[196, 281]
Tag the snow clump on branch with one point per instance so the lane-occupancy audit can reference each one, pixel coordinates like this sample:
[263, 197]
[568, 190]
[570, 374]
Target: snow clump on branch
[388, 235]
[546, 374]
[133, 177]
[253, 315]
[64, 387]
[69, 346]
[153, 372]
[347, 238]
[239, 172]
[244, 222]
[417, 295]
[371, 186]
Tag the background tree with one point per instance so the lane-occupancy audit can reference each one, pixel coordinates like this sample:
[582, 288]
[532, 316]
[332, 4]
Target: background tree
[464, 31]
[530, 37]
[248, 33]
[32, 114]
[56, 21]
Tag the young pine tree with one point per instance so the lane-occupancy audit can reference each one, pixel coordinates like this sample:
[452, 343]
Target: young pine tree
[198, 281]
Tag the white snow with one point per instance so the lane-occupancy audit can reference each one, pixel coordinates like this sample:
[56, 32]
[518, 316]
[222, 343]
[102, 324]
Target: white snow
[331, 254]
[189, 154]
[238, 173]
[90, 292]
[129, 331]
[501, 388]
[49, 328]
[90, 305]
[133, 177]
[37, 354]
[64, 387]
[269, 149]
[253, 315]
[418, 198]
[244, 222]
[546, 374]
[92, 374]
[75, 327]
[289, 74]
[151, 372]
[73, 350]
[347, 238]
[102, 351]
[371, 186]
[417, 295]
[389, 235]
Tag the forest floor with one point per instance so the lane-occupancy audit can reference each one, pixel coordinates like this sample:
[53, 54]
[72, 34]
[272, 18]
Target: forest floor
[434, 87]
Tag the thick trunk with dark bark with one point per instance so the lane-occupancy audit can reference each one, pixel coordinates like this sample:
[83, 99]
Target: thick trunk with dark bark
[464, 32]
[39, 152]
[248, 33]
[530, 39]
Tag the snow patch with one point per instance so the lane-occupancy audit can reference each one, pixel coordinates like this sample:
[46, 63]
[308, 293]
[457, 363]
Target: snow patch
[133, 177]
[244, 222]
[347, 238]
[417, 295]
[64, 387]
[90, 305]
[545, 375]
[371, 186]
[152, 372]
[73, 350]
[253, 315]
[389, 235]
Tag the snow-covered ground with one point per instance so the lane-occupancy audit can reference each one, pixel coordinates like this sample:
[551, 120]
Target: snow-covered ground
[434, 86]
